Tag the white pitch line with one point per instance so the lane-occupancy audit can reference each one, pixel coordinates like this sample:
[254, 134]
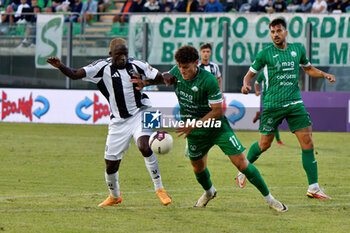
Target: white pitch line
[151, 191]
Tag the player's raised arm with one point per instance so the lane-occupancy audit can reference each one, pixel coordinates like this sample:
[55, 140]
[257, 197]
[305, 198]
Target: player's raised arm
[316, 73]
[69, 72]
[247, 82]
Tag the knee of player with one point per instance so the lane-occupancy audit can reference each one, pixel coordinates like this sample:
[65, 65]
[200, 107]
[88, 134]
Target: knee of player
[264, 145]
[307, 141]
[145, 149]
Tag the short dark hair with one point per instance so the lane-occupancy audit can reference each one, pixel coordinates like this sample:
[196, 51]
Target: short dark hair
[186, 54]
[205, 46]
[278, 21]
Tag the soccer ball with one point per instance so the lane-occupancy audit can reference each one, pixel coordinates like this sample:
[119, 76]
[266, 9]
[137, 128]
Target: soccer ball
[161, 142]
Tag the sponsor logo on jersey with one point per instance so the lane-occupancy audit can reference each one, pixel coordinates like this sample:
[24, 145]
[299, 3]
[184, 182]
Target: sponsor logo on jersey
[274, 56]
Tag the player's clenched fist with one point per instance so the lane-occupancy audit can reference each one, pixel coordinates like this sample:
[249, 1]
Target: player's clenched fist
[245, 89]
[54, 61]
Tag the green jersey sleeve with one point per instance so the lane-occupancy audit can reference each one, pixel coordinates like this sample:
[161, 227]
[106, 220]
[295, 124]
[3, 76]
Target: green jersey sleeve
[303, 59]
[213, 90]
[259, 63]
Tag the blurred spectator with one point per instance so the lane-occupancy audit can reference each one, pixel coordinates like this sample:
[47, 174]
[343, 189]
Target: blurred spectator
[319, 6]
[334, 5]
[103, 5]
[151, 6]
[229, 5]
[179, 6]
[191, 6]
[73, 17]
[2, 3]
[214, 6]
[279, 6]
[254, 6]
[30, 27]
[268, 7]
[345, 6]
[19, 17]
[12, 7]
[241, 5]
[305, 6]
[124, 17]
[65, 6]
[263, 4]
[137, 5]
[88, 11]
[294, 5]
[202, 4]
[167, 6]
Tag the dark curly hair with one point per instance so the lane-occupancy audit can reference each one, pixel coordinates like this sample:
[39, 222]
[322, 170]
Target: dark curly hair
[186, 54]
[278, 21]
[205, 46]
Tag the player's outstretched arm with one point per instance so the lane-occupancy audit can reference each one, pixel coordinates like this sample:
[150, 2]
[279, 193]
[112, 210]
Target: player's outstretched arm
[247, 81]
[159, 79]
[316, 73]
[71, 73]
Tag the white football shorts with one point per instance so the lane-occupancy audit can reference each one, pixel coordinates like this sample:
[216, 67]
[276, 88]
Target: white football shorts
[120, 134]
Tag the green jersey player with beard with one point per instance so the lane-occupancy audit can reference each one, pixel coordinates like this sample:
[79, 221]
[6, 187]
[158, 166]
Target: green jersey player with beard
[282, 100]
[200, 101]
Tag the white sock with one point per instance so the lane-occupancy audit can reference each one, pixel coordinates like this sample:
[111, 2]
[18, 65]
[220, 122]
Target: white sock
[112, 183]
[314, 187]
[153, 169]
[269, 198]
[211, 191]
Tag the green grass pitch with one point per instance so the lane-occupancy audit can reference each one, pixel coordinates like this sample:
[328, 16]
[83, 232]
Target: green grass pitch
[52, 179]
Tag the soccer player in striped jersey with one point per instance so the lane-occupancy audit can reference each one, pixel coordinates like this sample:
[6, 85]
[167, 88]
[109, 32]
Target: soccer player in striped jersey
[282, 100]
[112, 76]
[200, 101]
[206, 64]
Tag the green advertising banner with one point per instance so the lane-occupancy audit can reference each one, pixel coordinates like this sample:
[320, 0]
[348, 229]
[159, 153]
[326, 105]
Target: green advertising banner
[248, 34]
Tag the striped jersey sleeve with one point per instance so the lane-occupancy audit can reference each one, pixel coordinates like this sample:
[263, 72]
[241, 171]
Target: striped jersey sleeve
[94, 71]
[145, 69]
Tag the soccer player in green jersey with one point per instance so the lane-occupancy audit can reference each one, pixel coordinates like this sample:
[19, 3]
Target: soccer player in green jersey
[200, 101]
[282, 100]
[261, 80]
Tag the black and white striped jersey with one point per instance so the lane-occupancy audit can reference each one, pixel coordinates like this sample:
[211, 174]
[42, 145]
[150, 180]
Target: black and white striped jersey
[212, 68]
[124, 100]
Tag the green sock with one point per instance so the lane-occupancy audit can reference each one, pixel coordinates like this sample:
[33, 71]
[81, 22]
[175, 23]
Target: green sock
[254, 152]
[204, 179]
[310, 165]
[277, 135]
[253, 175]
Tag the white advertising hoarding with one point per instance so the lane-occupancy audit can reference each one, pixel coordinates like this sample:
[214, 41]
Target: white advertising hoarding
[91, 107]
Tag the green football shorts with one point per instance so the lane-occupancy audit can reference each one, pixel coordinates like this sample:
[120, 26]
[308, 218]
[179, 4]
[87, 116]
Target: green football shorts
[199, 142]
[296, 115]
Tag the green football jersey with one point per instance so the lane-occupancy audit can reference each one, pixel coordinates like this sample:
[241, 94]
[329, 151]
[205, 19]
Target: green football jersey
[281, 70]
[194, 96]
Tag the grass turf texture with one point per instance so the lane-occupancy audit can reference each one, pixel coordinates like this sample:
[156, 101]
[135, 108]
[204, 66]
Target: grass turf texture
[52, 179]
